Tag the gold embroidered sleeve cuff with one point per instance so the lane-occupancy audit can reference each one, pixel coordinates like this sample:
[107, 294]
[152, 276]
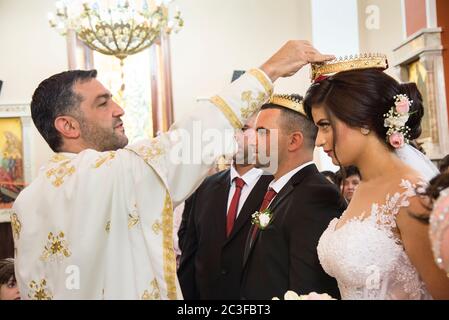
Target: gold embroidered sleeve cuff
[244, 97]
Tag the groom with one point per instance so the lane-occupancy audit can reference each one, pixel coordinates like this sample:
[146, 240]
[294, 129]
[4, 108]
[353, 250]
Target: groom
[283, 255]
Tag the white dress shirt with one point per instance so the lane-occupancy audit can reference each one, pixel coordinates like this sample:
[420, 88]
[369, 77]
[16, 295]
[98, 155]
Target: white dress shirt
[250, 178]
[279, 184]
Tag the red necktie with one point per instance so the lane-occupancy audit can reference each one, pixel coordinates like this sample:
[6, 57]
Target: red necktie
[269, 196]
[234, 206]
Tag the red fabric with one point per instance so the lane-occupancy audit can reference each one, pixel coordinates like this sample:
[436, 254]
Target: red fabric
[269, 196]
[320, 78]
[233, 208]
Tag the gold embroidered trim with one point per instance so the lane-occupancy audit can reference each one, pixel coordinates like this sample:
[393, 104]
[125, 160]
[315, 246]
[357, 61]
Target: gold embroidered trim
[156, 227]
[133, 217]
[56, 247]
[227, 111]
[39, 290]
[60, 173]
[149, 153]
[58, 158]
[103, 159]
[169, 253]
[155, 293]
[108, 227]
[259, 75]
[254, 104]
[132, 221]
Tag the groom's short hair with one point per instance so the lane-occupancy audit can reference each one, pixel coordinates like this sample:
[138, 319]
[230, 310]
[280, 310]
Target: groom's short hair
[292, 121]
[54, 97]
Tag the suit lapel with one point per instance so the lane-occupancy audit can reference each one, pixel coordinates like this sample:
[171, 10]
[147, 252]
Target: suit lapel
[290, 186]
[276, 202]
[283, 194]
[253, 201]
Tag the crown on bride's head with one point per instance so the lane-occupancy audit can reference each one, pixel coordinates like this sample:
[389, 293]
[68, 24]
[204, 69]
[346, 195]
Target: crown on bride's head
[289, 101]
[357, 62]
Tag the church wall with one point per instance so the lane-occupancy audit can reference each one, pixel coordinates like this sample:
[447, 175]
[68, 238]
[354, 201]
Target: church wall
[222, 36]
[384, 34]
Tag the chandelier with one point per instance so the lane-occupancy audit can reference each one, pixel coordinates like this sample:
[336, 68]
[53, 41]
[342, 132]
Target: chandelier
[117, 28]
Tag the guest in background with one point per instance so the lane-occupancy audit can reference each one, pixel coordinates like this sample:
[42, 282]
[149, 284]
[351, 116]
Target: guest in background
[8, 284]
[349, 180]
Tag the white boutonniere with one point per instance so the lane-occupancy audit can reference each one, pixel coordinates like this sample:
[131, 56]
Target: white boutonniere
[262, 219]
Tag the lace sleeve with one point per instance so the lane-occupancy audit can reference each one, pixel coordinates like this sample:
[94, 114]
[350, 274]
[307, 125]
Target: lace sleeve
[400, 280]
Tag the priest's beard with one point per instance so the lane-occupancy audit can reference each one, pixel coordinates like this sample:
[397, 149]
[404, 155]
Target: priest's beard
[100, 138]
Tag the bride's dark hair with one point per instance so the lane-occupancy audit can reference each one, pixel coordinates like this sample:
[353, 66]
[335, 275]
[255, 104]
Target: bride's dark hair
[361, 98]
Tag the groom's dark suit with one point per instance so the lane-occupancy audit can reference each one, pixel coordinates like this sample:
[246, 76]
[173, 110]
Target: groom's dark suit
[284, 255]
[211, 263]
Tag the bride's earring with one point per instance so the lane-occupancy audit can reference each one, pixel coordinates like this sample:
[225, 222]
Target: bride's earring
[365, 131]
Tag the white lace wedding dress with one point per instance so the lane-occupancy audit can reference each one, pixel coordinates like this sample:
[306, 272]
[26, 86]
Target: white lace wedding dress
[368, 259]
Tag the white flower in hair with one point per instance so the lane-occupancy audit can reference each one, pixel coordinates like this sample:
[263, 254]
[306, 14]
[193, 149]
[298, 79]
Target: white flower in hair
[397, 122]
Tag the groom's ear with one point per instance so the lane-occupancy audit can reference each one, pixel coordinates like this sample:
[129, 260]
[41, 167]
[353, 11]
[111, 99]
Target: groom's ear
[296, 141]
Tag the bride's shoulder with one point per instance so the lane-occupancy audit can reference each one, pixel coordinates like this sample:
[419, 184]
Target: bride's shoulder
[411, 180]
[413, 186]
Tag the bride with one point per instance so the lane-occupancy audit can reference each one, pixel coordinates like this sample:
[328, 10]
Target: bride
[377, 249]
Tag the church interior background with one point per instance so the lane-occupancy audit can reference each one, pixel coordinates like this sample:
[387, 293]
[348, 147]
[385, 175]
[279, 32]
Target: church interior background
[213, 39]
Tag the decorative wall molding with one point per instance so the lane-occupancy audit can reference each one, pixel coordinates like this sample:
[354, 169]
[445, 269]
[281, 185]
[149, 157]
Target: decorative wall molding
[15, 110]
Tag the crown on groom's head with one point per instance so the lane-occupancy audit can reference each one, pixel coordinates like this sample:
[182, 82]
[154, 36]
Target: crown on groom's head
[288, 101]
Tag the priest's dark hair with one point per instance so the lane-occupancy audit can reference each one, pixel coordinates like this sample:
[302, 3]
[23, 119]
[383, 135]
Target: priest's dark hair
[361, 98]
[54, 97]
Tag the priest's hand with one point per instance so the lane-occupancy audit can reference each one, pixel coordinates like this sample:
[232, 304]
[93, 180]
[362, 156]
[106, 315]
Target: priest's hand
[294, 55]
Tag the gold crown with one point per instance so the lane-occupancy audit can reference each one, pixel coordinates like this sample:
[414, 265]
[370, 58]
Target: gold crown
[357, 62]
[289, 102]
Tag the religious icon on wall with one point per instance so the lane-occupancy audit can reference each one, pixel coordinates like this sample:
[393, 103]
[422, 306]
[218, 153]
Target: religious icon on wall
[11, 161]
[419, 75]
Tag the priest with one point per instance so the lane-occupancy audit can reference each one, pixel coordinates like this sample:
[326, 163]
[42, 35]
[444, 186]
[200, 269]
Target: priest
[97, 221]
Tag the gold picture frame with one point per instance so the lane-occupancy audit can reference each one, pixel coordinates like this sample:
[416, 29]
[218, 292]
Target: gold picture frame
[15, 166]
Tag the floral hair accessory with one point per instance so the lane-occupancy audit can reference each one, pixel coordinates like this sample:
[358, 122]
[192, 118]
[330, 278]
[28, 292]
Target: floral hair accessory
[398, 133]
